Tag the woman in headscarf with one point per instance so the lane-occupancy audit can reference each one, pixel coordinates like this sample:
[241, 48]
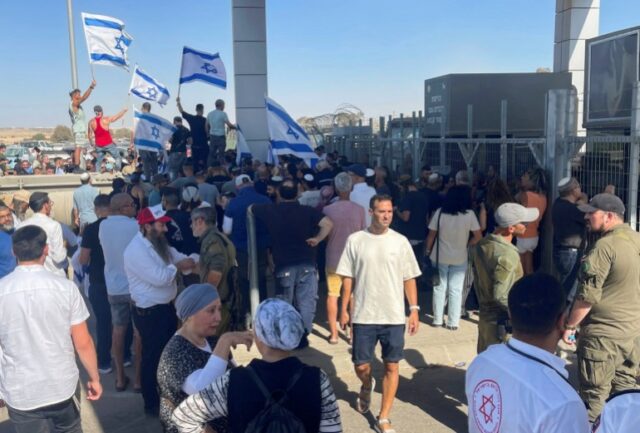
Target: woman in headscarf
[194, 358]
[237, 395]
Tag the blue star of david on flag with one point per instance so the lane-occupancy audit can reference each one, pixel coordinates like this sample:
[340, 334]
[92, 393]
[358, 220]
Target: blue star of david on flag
[151, 92]
[155, 132]
[119, 41]
[290, 131]
[209, 68]
[151, 131]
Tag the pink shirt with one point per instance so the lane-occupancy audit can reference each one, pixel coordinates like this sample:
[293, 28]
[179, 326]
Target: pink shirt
[347, 217]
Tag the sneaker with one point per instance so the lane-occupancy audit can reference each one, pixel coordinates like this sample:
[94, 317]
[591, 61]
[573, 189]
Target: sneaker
[105, 370]
[127, 363]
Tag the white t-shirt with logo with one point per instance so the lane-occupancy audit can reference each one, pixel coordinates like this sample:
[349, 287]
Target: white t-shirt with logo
[379, 264]
[621, 414]
[510, 393]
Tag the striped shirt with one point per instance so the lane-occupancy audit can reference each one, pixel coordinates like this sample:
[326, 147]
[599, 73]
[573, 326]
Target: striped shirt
[211, 403]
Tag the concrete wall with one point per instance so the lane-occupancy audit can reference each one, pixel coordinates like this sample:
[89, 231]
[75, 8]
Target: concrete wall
[250, 72]
[576, 21]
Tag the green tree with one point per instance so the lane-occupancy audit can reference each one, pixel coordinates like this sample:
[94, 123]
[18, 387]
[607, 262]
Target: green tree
[122, 133]
[61, 133]
[39, 136]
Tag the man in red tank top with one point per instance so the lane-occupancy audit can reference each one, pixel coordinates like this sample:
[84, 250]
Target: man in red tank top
[100, 136]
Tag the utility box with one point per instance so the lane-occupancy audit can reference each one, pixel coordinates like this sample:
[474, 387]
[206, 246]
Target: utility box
[446, 99]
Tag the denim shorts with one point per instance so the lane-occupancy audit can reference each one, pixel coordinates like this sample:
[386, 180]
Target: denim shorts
[120, 309]
[365, 338]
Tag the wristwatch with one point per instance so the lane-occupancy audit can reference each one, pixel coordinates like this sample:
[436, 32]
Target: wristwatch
[568, 327]
[414, 307]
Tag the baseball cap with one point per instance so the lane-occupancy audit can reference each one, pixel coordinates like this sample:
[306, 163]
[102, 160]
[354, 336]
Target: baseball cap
[605, 202]
[358, 170]
[510, 214]
[242, 179]
[85, 176]
[152, 214]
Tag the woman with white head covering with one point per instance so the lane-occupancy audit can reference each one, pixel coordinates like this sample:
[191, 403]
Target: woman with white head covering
[194, 357]
[237, 395]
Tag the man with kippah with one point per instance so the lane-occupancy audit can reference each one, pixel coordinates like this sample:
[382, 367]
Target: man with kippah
[496, 267]
[607, 305]
[569, 229]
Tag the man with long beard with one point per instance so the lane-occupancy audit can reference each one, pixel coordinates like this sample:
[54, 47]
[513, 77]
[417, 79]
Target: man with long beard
[151, 266]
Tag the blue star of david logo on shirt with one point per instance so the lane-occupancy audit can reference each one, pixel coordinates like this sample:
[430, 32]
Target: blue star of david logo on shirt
[151, 92]
[119, 41]
[290, 131]
[209, 68]
[155, 132]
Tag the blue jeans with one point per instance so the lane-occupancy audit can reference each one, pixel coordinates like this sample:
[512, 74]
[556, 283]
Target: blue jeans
[567, 264]
[450, 288]
[298, 285]
[113, 151]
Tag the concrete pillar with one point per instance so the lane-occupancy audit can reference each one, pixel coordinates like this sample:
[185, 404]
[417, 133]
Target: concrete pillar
[576, 21]
[250, 72]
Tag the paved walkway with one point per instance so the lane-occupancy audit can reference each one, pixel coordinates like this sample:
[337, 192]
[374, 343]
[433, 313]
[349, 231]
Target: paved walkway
[430, 396]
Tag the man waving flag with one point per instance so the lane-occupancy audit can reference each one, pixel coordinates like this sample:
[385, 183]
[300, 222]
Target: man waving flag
[286, 136]
[201, 66]
[107, 41]
[145, 87]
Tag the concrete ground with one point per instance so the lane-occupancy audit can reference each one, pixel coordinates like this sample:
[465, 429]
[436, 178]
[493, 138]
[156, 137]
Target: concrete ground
[430, 396]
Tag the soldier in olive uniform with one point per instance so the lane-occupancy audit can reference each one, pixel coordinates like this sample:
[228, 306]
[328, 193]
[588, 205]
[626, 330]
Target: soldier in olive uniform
[496, 267]
[217, 263]
[607, 305]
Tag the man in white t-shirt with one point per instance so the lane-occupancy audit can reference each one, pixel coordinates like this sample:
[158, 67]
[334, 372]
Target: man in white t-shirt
[521, 386]
[361, 193]
[378, 266]
[215, 127]
[621, 413]
[43, 318]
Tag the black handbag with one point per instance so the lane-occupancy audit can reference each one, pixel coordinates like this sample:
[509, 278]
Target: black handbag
[431, 273]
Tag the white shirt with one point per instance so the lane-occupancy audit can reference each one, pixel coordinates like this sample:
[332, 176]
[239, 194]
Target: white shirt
[453, 236]
[310, 198]
[379, 264]
[57, 257]
[38, 363]
[361, 194]
[621, 414]
[203, 377]
[510, 393]
[151, 280]
[115, 233]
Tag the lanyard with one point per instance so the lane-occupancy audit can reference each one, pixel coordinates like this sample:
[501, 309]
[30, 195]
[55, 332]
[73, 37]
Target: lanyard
[540, 361]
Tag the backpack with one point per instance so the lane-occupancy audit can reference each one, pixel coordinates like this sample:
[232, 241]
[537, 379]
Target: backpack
[274, 417]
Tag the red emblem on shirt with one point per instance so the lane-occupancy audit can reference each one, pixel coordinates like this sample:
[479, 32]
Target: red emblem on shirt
[487, 406]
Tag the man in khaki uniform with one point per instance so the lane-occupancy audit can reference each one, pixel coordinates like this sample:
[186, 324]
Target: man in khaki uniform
[496, 267]
[217, 262]
[607, 305]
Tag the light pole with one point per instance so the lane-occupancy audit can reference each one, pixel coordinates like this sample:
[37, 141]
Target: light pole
[72, 47]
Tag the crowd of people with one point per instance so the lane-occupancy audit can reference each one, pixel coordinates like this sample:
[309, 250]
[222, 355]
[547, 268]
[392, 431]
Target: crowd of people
[164, 262]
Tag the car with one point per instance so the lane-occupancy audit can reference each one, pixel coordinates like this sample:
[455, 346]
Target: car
[17, 153]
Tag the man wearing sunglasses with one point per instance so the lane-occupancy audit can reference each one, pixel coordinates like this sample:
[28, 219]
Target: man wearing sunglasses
[100, 136]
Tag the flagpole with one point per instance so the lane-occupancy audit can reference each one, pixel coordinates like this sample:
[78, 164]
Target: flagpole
[72, 46]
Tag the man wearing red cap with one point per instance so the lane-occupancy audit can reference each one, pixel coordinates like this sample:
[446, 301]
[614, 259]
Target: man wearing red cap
[151, 266]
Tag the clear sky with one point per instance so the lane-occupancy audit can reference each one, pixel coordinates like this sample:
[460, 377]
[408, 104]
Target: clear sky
[373, 54]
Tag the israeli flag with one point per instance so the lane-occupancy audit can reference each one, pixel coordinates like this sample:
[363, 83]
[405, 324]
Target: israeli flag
[242, 148]
[286, 136]
[201, 66]
[107, 41]
[151, 132]
[145, 87]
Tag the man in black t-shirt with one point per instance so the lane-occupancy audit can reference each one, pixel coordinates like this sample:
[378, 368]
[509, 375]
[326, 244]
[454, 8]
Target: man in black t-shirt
[179, 233]
[91, 254]
[569, 231]
[295, 232]
[178, 151]
[413, 212]
[200, 148]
